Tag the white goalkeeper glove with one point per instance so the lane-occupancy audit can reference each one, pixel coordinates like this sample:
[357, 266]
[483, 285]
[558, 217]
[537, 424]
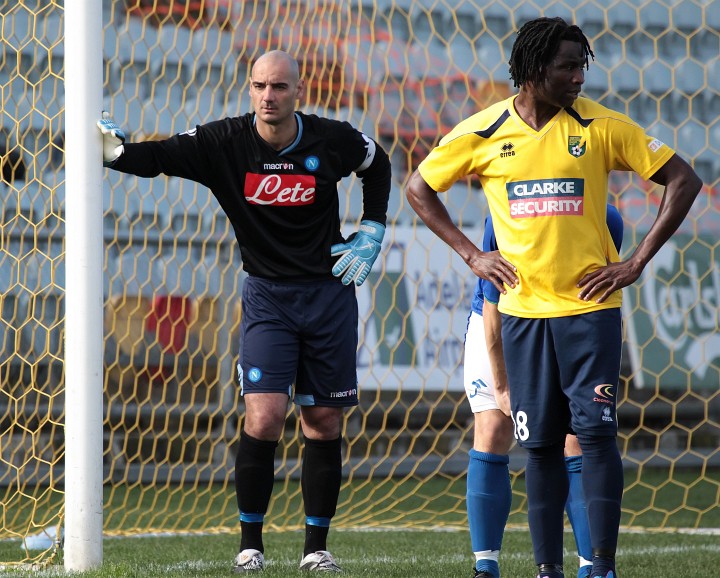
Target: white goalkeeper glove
[359, 253]
[113, 139]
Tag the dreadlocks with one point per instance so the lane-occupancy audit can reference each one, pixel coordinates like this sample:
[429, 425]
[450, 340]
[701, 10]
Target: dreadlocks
[537, 44]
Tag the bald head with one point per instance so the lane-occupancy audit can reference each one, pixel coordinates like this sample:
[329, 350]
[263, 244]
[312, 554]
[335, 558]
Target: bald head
[279, 61]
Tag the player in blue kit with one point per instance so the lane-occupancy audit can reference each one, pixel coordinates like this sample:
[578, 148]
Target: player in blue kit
[543, 157]
[275, 174]
[489, 494]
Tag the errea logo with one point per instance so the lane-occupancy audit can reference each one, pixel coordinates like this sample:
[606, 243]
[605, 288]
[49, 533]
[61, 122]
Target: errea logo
[507, 150]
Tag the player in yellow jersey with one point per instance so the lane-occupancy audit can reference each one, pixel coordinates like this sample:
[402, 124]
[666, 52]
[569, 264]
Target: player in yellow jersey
[543, 157]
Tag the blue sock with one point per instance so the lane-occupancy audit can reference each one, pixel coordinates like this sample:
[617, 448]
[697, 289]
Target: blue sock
[575, 508]
[547, 488]
[489, 497]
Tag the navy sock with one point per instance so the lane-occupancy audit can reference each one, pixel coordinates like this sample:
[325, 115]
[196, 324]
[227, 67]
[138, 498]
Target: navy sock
[602, 476]
[547, 488]
[576, 509]
[320, 479]
[254, 478]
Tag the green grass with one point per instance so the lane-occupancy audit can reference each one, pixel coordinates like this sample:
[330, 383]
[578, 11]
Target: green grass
[383, 554]
[386, 529]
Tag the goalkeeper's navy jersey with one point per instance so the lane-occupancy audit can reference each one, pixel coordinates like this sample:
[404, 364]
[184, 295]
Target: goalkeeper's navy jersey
[283, 205]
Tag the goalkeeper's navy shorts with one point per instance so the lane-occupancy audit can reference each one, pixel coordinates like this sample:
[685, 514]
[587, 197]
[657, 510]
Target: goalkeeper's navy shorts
[301, 334]
[563, 375]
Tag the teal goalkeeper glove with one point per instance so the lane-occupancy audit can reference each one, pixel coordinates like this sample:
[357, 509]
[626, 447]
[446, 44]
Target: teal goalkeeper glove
[113, 139]
[359, 253]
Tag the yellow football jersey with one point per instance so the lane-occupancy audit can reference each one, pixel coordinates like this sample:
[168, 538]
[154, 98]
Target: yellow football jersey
[547, 192]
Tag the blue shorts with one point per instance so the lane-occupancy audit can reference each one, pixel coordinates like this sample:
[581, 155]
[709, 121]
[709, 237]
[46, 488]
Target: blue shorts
[301, 333]
[563, 375]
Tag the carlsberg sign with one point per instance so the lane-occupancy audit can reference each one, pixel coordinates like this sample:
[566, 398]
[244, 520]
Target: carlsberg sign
[672, 316]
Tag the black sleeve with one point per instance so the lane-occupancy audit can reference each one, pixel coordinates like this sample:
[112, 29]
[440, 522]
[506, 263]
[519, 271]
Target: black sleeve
[376, 187]
[187, 155]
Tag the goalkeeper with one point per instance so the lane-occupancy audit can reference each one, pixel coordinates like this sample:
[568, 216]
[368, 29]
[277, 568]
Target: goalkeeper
[489, 494]
[275, 174]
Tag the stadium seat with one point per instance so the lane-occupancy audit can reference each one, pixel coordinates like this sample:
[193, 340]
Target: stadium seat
[672, 46]
[492, 57]
[689, 77]
[466, 204]
[131, 44]
[664, 131]
[192, 208]
[523, 13]
[597, 82]
[125, 104]
[463, 60]
[591, 20]
[167, 98]
[9, 273]
[151, 213]
[17, 27]
[214, 44]
[236, 103]
[625, 81]
[50, 90]
[643, 109]
[350, 197]
[675, 107]
[133, 273]
[608, 49]
[50, 30]
[468, 25]
[707, 165]
[399, 211]
[174, 45]
[497, 19]
[423, 21]
[692, 139]
[657, 78]
[705, 44]
[687, 16]
[16, 97]
[654, 17]
[43, 331]
[13, 315]
[557, 8]
[208, 91]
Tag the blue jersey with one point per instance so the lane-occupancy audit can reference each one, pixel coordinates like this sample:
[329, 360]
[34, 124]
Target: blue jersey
[486, 291]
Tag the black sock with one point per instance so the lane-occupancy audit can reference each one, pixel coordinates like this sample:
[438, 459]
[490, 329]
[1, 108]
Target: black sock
[321, 479]
[315, 538]
[547, 487]
[251, 536]
[602, 478]
[254, 478]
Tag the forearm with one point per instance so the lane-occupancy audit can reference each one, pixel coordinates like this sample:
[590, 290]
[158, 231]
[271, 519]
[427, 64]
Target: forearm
[493, 341]
[425, 202]
[681, 190]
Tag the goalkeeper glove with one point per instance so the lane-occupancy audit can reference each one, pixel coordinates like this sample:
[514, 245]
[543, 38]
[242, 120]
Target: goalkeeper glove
[113, 139]
[359, 253]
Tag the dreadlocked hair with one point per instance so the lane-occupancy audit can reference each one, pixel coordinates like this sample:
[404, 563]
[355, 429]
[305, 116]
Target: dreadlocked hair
[537, 44]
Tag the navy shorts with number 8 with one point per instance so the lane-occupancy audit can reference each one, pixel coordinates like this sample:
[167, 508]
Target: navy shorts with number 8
[563, 375]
